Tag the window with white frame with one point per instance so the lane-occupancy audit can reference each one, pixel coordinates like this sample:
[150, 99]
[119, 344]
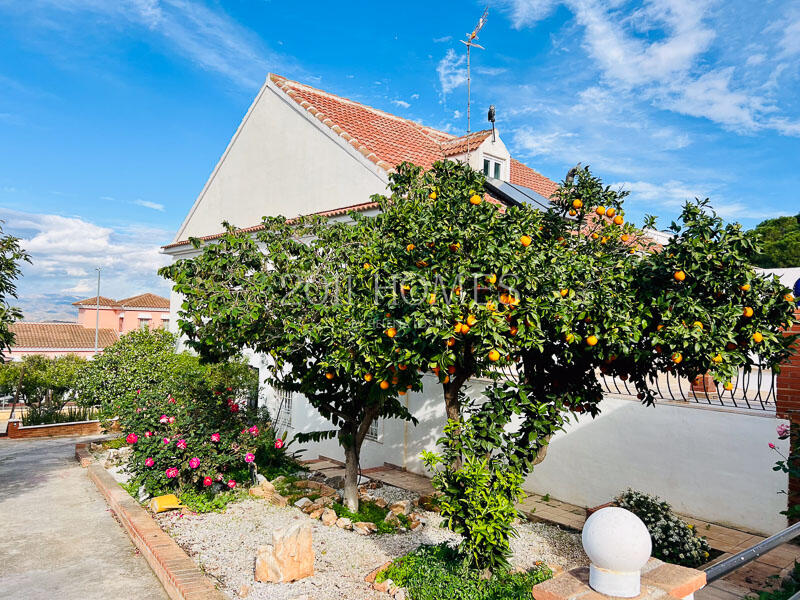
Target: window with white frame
[493, 167]
[373, 431]
[283, 408]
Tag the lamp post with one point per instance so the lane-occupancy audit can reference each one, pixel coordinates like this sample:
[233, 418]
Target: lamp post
[97, 313]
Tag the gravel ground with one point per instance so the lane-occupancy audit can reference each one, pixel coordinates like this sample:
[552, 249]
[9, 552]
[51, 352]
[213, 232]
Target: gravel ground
[225, 546]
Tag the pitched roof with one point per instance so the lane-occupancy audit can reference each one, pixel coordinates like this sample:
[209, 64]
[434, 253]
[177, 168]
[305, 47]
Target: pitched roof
[386, 140]
[59, 335]
[93, 302]
[146, 300]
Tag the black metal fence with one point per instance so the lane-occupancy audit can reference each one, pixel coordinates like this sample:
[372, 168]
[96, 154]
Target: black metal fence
[753, 390]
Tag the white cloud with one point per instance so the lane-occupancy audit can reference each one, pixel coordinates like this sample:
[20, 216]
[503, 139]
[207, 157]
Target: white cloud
[150, 205]
[490, 71]
[528, 12]
[64, 250]
[203, 34]
[402, 103]
[452, 71]
[443, 39]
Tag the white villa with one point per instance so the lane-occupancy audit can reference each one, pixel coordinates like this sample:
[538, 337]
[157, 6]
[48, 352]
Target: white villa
[301, 151]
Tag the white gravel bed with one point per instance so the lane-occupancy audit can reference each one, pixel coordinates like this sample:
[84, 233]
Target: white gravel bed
[225, 545]
[392, 494]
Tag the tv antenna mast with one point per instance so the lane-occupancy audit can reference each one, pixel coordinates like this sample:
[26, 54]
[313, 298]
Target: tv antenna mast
[469, 43]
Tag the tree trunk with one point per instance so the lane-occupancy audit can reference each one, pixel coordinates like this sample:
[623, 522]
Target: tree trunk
[351, 477]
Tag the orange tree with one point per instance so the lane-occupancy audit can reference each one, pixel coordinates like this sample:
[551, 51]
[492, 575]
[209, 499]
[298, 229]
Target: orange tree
[298, 293]
[543, 303]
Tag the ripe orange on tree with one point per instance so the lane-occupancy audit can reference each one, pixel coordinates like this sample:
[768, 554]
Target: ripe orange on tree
[757, 337]
[564, 292]
[745, 287]
[384, 385]
[451, 369]
[592, 340]
[391, 332]
[747, 312]
[475, 199]
[717, 358]
[432, 299]
[600, 210]
[625, 237]
[728, 385]
[465, 328]
[410, 247]
[368, 377]
[679, 275]
[329, 376]
[471, 320]
[525, 240]
[458, 327]
[494, 355]
[491, 278]
[618, 220]
[677, 358]
[577, 203]
[611, 212]
[432, 195]
[451, 342]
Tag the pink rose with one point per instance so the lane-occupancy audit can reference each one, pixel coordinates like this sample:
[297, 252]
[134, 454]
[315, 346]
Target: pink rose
[207, 481]
[231, 483]
[235, 408]
[181, 444]
[171, 400]
[219, 476]
[138, 410]
[230, 389]
[279, 443]
[771, 445]
[254, 430]
[148, 434]
[149, 462]
[172, 419]
[132, 438]
[194, 463]
[783, 431]
[166, 441]
[215, 437]
[171, 472]
[217, 393]
[249, 457]
[138, 391]
[163, 419]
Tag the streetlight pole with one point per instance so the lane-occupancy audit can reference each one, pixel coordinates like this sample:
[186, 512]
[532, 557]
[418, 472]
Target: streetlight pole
[97, 313]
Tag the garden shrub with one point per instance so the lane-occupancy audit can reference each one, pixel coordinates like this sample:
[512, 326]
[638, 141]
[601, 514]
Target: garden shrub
[369, 512]
[780, 590]
[439, 573]
[478, 494]
[674, 540]
[49, 414]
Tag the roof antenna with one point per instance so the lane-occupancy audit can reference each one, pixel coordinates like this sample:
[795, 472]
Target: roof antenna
[469, 43]
[491, 120]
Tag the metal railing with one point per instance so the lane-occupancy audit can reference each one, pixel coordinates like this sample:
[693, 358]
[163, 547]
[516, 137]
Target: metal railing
[753, 390]
[729, 565]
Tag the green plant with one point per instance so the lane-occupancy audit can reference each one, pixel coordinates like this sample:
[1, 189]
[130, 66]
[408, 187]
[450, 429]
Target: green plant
[12, 256]
[674, 540]
[477, 499]
[368, 512]
[204, 501]
[780, 242]
[44, 414]
[114, 443]
[439, 573]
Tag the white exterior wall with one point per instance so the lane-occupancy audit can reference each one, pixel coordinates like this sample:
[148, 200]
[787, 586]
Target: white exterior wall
[281, 161]
[709, 463]
[788, 277]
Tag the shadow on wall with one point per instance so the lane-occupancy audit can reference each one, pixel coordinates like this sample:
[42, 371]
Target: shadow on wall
[712, 464]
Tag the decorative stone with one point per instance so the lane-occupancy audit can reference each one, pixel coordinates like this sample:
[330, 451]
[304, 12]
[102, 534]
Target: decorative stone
[314, 506]
[335, 482]
[264, 490]
[302, 503]
[244, 590]
[402, 507]
[316, 513]
[324, 490]
[325, 501]
[618, 546]
[143, 495]
[329, 517]
[428, 502]
[289, 558]
[392, 519]
[260, 478]
[344, 523]
[278, 500]
[380, 502]
[364, 528]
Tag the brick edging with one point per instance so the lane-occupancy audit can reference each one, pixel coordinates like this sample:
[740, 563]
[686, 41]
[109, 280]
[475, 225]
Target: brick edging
[181, 577]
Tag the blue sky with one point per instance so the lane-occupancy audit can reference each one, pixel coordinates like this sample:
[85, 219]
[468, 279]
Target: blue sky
[113, 114]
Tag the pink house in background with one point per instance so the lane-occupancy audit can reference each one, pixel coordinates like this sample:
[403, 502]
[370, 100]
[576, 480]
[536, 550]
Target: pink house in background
[137, 312]
[116, 318]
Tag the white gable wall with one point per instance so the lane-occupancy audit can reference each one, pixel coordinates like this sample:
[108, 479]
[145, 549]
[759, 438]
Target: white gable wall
[281, 161]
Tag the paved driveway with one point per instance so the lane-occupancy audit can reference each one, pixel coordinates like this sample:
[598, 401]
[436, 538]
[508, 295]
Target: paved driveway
[57, 537]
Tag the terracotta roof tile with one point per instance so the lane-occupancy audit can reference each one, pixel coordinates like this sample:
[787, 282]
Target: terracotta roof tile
[146, 300]
[59, 335]
[523, 175]
[467, 142]
[93, 302]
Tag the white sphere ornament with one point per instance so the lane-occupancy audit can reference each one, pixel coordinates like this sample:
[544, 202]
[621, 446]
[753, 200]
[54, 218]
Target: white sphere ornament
[618, 546]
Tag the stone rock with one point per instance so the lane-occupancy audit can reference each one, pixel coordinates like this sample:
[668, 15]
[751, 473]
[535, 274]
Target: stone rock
[392, 519]
[335, 482]
[302, 503]
[264, 490]
[95, 447]
[278, 480]
[383, 586]
[143, 495]
[400, 594]
[325, 501]
[324, 490]
[260, 478]
[317, 513]
[278, 500]
[414, 524]
[344, 523]
[401, 507]
[309, 508]
[380, 502]
[428, 502]
[329, 517]
[364, 528]
[289, 558]
[244, 590]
